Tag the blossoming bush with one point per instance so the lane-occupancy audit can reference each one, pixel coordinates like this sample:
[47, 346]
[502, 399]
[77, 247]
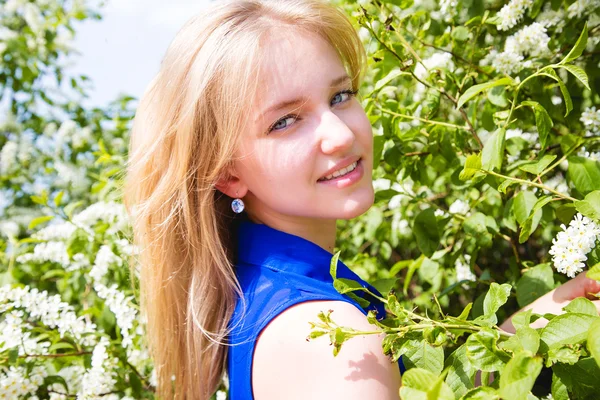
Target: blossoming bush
[487, 175]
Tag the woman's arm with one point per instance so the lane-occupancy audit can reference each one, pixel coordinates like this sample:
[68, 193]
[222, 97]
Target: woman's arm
[286, 366]
[553, 301]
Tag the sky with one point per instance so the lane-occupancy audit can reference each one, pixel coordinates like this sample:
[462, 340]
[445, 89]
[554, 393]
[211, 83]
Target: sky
[122, 52]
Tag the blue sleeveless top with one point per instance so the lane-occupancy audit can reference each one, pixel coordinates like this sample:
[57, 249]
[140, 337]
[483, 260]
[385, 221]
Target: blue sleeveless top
[277, 270]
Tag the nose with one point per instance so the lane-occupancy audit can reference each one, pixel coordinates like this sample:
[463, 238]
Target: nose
[334, 133]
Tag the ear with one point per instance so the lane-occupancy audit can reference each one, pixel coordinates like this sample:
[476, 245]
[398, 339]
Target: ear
[232, 186]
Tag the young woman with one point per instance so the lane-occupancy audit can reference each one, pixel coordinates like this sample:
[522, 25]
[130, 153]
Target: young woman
[246, 148]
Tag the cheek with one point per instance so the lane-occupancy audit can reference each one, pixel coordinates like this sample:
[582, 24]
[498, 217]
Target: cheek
[361, 126]
[279, 164]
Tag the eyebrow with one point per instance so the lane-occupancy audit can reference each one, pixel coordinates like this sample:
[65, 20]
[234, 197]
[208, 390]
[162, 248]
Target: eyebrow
[299, 100]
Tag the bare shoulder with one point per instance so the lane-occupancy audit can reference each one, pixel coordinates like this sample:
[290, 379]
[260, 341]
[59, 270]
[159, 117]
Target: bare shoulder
[286, 366]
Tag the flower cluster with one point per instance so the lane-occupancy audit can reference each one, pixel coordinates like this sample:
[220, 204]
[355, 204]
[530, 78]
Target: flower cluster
[591, 120]
[512, 13]
[17, 382]
[531, 40]
[99, 380]
[50, 310]
[571, 245]
[459, 207]
[463, 270]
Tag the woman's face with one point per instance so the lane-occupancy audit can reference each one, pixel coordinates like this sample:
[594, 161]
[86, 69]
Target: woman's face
[304, 126]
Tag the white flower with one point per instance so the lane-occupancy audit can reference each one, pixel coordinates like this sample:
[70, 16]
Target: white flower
[99, 380]
[587, 154]
[49, 310]
[48, 251]
[558, 183]
[8, 157]
[571, 245]
[440, 213]
[463, 270]
[582, 7]
[56, 231]
[591, 119]
[441, 60]
[552, 18]
[531, 40]
[381, 184]
[448, 9]
[512, 13]
[556, 100]
[221, 395]
[104, 258]
[110, 212]
[506, 62]
[119, 305]
[459, 207]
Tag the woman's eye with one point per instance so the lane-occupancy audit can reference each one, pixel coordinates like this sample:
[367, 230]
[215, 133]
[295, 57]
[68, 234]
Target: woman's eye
[283, 123]
[343, 96]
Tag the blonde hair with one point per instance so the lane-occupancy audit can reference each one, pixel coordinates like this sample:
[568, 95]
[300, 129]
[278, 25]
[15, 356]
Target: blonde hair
[183, 140]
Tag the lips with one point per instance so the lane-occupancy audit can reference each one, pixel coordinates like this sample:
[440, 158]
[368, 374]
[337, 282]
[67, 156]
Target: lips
[340, 168]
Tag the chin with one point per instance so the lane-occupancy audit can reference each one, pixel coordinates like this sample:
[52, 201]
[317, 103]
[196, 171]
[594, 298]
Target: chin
[358, 204]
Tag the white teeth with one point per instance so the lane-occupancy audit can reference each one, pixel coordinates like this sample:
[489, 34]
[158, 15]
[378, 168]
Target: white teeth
[341, 172]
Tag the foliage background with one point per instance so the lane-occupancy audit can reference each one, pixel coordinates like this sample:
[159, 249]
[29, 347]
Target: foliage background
[69, 322]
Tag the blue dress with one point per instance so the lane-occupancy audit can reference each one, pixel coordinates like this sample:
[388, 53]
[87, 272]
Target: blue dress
[277, 270]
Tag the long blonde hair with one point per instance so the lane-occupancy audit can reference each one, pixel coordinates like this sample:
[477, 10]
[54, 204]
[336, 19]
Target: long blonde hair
[183, 140]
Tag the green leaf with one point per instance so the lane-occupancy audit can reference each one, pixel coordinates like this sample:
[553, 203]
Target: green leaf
[483, 351]
[581, 305]
[559, 390]
[497, 96]
[476, 89]
[519, 375]
[578, 72]
[393, 74]
[460, 371]
[426, 232]
[460, 33]
[543, 123]
[594, 272]
[590, 206]
[39, 220]
[570, 328]
[536, 168]
[578, 48]
[593, 341]
[581, 379]
[475, 225]
[523, 205]
[566, 354]
[333, 265]
[472, 166]
[584, 173]
[566, 96]
[493, 151]
[505, 185]
[495, 298]
[384, 285]
[421, 354]
[58, 198]
[534, 283]
[481, 393]
[533, 219]
[378, 142]
[419, 384]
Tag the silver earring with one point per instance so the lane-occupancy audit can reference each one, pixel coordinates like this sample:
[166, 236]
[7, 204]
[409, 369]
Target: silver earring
[237, 205]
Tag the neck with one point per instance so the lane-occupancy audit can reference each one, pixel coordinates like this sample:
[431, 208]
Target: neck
[321, 232]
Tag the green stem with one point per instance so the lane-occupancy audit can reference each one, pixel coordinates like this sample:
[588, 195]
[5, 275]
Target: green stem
[427, 121]
[529, 183]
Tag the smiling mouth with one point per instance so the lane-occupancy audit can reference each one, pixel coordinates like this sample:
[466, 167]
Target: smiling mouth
[341, 172]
